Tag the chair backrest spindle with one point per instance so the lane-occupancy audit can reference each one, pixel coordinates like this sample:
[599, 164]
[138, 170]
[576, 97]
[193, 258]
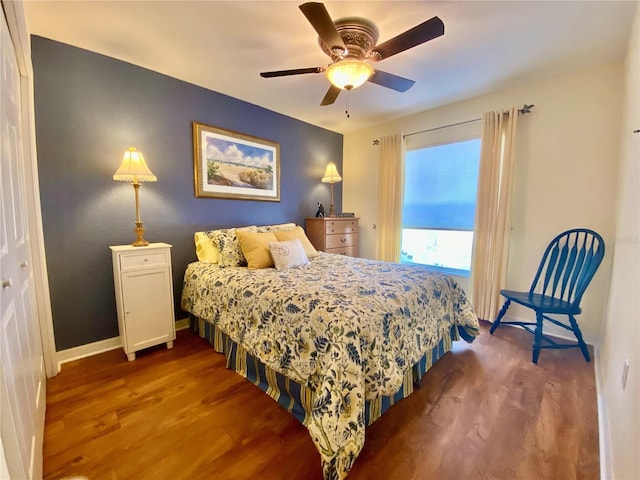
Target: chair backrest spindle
[568, 265]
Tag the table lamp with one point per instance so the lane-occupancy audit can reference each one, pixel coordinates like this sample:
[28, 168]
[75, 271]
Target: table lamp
[134, 169]
[331, 176]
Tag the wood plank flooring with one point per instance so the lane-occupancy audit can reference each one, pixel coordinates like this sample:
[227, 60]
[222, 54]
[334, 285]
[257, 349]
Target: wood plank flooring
[484, 411]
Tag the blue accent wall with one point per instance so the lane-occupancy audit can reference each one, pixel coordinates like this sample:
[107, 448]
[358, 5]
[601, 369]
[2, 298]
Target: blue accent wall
[89, 109]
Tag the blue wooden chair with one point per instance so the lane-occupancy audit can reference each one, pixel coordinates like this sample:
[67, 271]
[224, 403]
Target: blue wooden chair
[568, 265]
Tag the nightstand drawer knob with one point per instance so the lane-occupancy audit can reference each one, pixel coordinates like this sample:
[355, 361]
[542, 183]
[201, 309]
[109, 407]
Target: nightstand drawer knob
[6, 284]
[24, 264]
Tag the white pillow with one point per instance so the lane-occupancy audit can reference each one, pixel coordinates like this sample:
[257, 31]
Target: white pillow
[298, 232]
[289, 254]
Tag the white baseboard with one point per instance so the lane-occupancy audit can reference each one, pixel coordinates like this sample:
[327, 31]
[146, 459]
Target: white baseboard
[604, 436]
[183, 324]
[83, 351]
[551, 330]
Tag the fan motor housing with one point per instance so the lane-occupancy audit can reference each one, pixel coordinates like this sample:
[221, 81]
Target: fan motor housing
[359, 36]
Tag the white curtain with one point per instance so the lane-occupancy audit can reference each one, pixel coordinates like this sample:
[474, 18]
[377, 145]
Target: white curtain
[390, 197]
[492, 224]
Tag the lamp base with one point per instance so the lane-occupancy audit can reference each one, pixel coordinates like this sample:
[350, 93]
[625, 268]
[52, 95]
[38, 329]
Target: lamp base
[140, 242]
[332, 210]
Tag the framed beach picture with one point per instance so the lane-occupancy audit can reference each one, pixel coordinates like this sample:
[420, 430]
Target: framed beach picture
[229, 164]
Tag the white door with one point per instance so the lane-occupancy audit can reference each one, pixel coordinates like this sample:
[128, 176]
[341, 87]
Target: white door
[22, 376]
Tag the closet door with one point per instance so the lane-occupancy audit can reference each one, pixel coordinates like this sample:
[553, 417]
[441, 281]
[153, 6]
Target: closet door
[22, 377]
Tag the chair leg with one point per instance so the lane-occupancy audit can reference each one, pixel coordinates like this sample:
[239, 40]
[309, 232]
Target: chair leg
[496, 322]
[578, 334]
[537, 337]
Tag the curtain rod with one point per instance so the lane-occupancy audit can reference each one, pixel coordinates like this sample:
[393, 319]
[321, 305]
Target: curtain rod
[523, 111]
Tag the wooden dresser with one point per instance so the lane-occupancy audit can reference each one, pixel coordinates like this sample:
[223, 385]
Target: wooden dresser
[334, 234]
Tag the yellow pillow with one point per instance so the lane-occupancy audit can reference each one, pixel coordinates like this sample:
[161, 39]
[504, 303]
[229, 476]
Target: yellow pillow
[298, 233]
[255, 248]
[206, 251]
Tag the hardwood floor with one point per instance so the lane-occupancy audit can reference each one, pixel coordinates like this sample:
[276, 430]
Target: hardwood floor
[484, 411]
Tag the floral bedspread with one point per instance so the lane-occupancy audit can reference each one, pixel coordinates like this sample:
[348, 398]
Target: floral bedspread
[347, 328]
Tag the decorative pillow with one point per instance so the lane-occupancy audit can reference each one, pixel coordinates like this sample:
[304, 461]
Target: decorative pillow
[277, 228]
[255, 248]
[298, 233]
[289, 254]
[230, 253]
[206, 251]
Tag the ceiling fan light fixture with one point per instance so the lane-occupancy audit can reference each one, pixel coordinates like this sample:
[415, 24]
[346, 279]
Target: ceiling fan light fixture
[348, 74]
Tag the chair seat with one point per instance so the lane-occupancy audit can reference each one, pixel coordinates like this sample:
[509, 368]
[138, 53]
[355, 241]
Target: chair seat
[541, 303]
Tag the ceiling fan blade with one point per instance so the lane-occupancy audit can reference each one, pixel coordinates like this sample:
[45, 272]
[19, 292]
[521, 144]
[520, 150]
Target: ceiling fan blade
[330, 96]
[389, 80]
[295, 71]
[320, 20]
[419, 34]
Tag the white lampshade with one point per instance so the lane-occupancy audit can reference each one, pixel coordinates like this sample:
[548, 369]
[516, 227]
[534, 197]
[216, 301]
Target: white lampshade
[331, 174]
[134, 168]
[348, 74]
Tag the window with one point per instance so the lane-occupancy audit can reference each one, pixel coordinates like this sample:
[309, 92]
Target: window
[439, 205]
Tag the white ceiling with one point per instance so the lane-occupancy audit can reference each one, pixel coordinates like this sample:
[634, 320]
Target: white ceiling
[223, 45]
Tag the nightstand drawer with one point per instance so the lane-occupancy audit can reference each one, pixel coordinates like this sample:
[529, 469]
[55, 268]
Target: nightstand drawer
[343, 240]
[341, 226]
[143, 259]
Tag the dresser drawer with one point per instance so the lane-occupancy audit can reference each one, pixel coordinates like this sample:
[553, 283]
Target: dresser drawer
[349, 251]
[144, 259]
[341, 240]
[341, 226]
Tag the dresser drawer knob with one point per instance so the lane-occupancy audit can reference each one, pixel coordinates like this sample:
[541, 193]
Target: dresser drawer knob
[6, 284]
[343, 240]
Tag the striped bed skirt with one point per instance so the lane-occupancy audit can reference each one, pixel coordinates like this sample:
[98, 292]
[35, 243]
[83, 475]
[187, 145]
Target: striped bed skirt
[297, 399]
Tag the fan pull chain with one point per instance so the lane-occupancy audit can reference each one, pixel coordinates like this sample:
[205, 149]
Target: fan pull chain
[347, 110]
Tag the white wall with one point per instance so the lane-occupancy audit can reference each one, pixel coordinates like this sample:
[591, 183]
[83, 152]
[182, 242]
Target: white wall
[566, 170]
[621, 332]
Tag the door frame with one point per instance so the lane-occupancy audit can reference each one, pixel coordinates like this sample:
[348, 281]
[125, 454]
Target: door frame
[14, 13]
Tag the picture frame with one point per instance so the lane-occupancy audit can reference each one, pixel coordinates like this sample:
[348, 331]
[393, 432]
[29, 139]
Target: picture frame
[228, 164]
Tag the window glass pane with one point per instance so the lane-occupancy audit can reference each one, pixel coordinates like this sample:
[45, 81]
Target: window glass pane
[440, 248]
[441, 185]
[439, 204]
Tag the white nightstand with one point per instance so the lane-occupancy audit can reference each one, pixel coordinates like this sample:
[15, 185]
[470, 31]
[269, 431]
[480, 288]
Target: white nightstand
[144, 296]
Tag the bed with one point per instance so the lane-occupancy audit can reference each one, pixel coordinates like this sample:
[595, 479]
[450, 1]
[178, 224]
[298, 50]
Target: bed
[336, 341]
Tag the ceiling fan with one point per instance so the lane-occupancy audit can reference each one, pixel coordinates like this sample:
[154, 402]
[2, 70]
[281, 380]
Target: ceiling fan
[351, 44]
